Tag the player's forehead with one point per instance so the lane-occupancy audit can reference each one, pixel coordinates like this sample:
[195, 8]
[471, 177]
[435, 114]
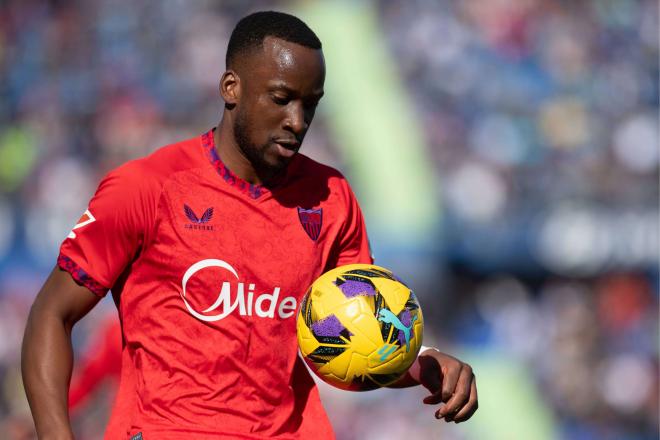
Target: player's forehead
[282, 64]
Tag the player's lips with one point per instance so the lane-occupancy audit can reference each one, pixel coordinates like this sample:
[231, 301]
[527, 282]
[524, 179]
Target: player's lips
[287, 148]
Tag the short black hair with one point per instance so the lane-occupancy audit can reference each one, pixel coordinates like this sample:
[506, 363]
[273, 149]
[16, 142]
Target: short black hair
[251, 30]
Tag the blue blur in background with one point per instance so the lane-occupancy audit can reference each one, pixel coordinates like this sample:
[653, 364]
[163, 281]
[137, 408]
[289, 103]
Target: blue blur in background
[540, 124]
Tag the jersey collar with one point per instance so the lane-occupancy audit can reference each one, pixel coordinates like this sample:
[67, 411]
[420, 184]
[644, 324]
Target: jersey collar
[250, 189]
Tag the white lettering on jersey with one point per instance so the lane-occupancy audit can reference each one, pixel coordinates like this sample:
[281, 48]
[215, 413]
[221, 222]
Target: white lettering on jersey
[85, 219]
[263, 305]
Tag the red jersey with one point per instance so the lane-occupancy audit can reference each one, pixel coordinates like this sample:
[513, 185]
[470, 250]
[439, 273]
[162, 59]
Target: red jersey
[207, 271]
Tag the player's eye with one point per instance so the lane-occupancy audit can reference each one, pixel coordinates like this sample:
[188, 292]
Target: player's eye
[280, 100]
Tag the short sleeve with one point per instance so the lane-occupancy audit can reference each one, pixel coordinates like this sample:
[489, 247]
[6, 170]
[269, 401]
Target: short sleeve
[353, 241]
[111, 231]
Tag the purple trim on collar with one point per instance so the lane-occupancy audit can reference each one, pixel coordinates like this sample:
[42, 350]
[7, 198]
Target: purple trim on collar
[254, 191]
[80, 276]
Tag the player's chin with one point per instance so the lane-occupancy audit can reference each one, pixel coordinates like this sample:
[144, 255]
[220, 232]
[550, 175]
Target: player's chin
[272, 167]
[281, 165]
[279, 162]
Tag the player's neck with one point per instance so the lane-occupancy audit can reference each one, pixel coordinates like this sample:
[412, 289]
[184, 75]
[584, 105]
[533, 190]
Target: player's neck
[231, 156]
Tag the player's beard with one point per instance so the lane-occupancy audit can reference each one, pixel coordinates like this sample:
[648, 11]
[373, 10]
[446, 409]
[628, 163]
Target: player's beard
[256, 154]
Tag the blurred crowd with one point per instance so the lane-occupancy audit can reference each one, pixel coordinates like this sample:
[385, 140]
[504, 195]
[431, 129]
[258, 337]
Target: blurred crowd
[540, 116]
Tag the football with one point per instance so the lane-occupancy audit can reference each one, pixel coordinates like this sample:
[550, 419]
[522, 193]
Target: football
[359, 327]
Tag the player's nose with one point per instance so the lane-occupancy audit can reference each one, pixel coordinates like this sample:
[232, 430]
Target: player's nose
[296, 121]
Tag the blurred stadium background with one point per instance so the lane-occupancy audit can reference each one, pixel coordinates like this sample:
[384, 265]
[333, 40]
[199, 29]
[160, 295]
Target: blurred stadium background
[505, 153]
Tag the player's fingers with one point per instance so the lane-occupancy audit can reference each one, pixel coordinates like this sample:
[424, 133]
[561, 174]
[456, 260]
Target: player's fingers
[453, 371]
[461, 394]
[433, 399]
[471, 406]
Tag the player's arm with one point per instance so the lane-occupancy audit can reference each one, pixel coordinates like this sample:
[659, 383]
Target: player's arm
[47, 355]
[449, 380]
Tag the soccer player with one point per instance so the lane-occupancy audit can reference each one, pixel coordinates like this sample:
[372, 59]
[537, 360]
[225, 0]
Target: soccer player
[208, 245]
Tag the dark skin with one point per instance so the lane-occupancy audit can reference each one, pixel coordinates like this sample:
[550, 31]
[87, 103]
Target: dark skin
[270, 99]
[47, 355]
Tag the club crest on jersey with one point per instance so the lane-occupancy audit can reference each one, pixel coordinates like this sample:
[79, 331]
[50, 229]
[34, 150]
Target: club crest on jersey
[198, 222]
[85, 219]
[311, 221]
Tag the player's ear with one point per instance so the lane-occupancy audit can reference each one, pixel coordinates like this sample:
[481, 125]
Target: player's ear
[230, 87]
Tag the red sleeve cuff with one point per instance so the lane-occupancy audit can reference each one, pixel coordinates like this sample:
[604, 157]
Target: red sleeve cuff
[80, 276]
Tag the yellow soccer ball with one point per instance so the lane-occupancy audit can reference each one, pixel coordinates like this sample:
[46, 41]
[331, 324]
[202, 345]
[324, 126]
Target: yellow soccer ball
[359, 327]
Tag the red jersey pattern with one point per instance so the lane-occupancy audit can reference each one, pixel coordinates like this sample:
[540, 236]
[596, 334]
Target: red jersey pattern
[207, 271]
